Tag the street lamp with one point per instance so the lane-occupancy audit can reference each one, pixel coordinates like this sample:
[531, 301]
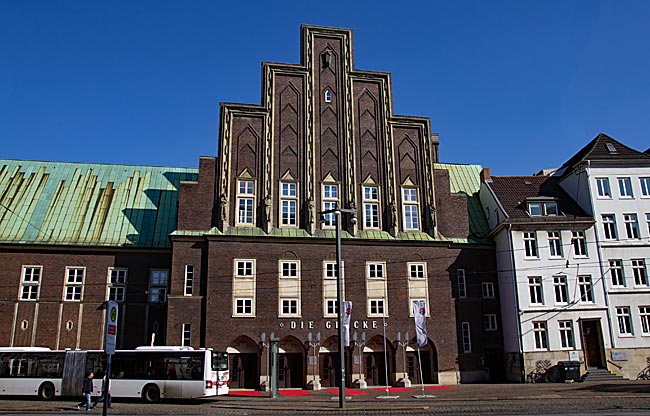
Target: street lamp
[265, 345]
[339, 293]
[360, 343]
[403, 344]
[313, 344]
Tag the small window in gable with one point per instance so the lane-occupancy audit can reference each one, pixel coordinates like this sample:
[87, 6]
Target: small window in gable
[328, 96]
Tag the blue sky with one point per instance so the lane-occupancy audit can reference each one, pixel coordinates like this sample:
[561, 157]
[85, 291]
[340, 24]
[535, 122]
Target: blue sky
[516, 86]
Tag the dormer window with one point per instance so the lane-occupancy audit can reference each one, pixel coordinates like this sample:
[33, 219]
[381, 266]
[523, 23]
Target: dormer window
[328, 96]
[543, 209]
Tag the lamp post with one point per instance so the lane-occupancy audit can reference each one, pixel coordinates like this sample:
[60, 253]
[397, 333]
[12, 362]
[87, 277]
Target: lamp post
[360, 344]
[339, 294]
[313, 344]
[403, 344]
[266, 344]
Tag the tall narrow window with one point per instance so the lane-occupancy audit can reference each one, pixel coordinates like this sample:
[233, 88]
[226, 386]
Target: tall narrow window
[616, 270]
[586, 289]
[541, 336]
[158, 286]
[625, 187]
[535, 290]
[639, 272]
[561, 289]
[189, 280]
[490, 322]
[74, 278]
[462, 287]
[644, 313]
[328, 96]
[579, 243]
[566, 334]
[467, 337]
[245, 202]
[330, 201]
[31, 280]
[488, 290]
[371, 207]
[289, 203]
[645, 186]
[631, 226]
[603, 188]
[624, 320]
[187, 335]
[555, 243]
[410, 207]
[530, 244]
[117, 284]
[609, 226]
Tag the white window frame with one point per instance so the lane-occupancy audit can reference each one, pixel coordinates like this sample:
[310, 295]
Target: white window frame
[371, 217]
[330, 307]
[376, 270]
[158, 290]
[632, 226]
[410, 209]
[535, 290]
[244, 268]
[289, 304]
[117, 279]
[417, 270]
[604, 190]
[644, 183]
[245, 202]
[609, 226]
[490, 320]
[466, 337]
[644, 316]
[543, 209]
[487, 288]
[617, 272]
[30, 283]
[624, 320]
[289, 269]
[579, 243]
[377, 307]
[186, 335]
[328, 96]
[420, 302]
[188, 287]
[289, 204]
[586, 286]
[331, 195]
[555, 244]
[625, 188]
[540, 334]
[74, 280]
[530, 245]
[561, 289]
[329, 270]
[462, 283]
[243, 306]
[639, 272]
[567, 340]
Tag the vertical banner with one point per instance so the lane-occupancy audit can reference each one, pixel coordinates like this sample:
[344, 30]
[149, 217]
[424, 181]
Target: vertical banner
[347, 313]
[419, 313]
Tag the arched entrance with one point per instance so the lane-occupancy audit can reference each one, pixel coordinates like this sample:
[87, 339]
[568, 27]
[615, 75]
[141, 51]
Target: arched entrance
[377, 361]
[328, 362]
[427, 360]
[291, 363]
[244, 359]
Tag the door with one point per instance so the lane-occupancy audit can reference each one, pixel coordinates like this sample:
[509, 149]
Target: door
[592, 343]
[243, 371]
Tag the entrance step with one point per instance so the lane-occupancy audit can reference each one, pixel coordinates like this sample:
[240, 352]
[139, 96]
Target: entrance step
[601, 374]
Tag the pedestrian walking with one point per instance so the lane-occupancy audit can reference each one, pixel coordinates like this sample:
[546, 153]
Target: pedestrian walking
[101, 397]
[87, 391]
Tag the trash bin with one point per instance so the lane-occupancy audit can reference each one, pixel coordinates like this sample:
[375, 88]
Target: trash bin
[569, 370]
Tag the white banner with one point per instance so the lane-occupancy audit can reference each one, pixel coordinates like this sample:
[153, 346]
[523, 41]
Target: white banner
[419, 313]
[347, 313]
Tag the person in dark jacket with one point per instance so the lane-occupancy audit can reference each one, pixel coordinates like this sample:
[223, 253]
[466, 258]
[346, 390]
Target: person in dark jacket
[87, 391]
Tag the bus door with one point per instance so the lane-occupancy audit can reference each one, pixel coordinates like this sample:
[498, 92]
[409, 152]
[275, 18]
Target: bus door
[74, 371]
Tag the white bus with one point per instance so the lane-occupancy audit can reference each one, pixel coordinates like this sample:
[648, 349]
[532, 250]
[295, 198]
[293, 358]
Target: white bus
[150, 373]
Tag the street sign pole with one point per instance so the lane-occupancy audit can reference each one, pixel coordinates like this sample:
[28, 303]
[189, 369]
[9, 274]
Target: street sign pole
[110, 340]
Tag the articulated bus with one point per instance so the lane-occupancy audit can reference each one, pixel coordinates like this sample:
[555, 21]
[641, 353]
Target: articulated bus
[150, 373]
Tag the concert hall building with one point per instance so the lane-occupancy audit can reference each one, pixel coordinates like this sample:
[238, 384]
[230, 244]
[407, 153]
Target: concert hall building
[236, 252]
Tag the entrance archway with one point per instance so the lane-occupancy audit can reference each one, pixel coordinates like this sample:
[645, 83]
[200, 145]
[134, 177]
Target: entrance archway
[244, 358]
[374, 362]
[291, 363]
[427, 360]
[328, 362]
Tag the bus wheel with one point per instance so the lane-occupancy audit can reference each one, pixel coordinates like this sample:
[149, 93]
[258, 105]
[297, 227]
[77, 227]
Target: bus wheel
[46, 391]
[151, 393]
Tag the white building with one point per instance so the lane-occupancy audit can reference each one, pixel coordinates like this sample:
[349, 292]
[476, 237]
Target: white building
[611, 182]
[552, 300]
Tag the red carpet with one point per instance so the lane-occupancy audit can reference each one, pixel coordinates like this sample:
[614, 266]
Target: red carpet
[245, 393]
[394, 389]
[438, 387]
[294, 393]
[348, 392]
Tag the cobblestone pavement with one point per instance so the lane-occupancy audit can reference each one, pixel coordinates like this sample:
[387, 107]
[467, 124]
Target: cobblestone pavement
[629, 398]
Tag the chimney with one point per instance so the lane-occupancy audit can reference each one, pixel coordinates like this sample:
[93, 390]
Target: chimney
[485, 175]
[434, 148]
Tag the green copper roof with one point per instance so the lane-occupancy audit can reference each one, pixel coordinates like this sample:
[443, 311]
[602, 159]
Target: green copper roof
[88, 204]
[466, 179]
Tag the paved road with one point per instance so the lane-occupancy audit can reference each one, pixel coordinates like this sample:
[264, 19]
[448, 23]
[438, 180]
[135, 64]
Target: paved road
[620, 399]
